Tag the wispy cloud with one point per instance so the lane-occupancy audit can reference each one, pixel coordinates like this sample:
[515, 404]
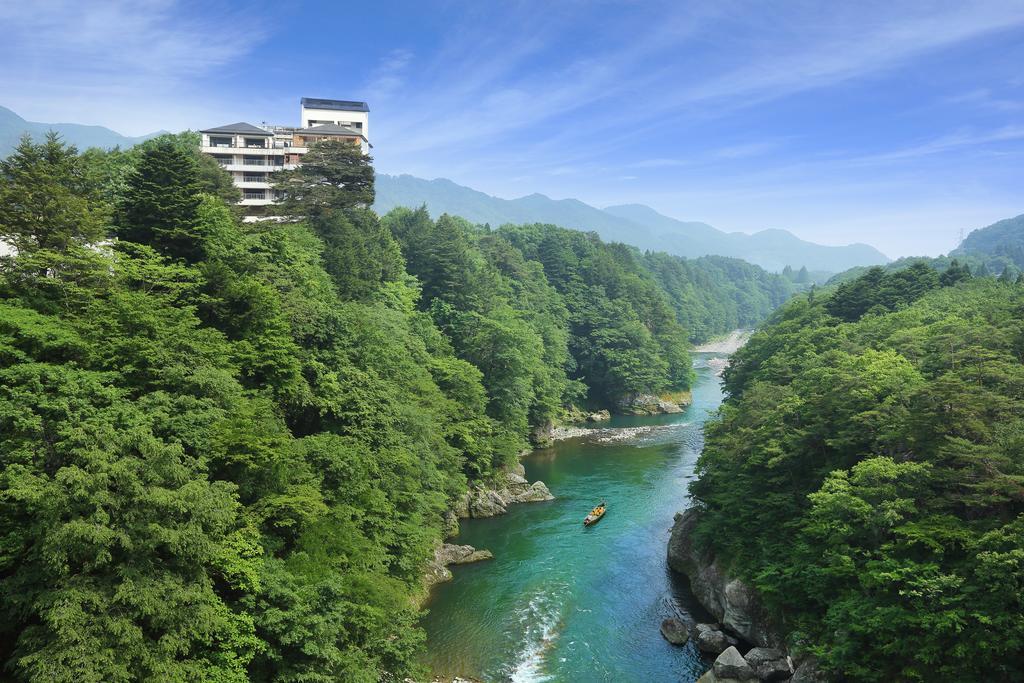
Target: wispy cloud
[987, 98]
[657, 163]
[100, 55]
[389, 75]
[954, 141]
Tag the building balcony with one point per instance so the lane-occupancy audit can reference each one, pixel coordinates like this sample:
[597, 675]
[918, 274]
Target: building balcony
[253, 166]
[230, 149]
[253, 184]
[256, 202]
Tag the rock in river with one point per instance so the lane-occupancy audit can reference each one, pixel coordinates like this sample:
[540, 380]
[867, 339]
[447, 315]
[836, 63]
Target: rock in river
[675, 631]
[731, 665]
[449, 553]
[711, 639]
[512, 488]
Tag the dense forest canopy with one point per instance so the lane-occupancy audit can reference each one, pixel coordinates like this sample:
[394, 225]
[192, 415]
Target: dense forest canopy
[867, 475]
[226, 447]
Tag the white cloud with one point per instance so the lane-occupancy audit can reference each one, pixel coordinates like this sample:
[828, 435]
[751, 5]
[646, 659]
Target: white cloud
[946, 143]
[129, 65]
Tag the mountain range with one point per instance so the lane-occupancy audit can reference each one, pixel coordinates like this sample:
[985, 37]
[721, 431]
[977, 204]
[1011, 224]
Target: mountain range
[12, 127]
[634, 224]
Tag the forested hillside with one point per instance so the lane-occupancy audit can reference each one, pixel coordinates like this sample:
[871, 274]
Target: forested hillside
[226, 447]
[867, 475]
[997, 245]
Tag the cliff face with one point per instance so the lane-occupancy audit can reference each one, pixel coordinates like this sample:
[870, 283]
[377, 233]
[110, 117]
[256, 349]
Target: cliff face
[733, 603]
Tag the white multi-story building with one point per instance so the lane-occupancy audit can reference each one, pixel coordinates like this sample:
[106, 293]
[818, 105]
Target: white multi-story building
[251, 153]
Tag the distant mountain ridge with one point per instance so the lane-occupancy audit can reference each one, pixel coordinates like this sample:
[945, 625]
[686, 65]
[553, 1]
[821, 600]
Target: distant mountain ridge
[998, 244]
[634, 224]
[12, 127]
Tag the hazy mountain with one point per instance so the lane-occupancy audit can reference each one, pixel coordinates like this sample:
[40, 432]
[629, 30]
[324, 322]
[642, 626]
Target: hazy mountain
[12, 127]
[1001, 242]
[634, 224]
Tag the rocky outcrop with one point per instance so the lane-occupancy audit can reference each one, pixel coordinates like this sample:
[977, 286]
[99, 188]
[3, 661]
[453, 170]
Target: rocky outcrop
[739, 609]
[451, 524]
[542, 435]
[514, 488]
[770, 664]
[735, 604]
[675, 631]
[712, 639]
[646, 404]
[807, 672]
[599, 416]
[447, 554]
[732, 666]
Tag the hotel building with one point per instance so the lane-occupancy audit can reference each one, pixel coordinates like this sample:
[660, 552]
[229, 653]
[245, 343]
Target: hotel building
[251, 153]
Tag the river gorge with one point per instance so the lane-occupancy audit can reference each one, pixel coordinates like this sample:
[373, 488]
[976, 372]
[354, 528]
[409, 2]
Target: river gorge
[563, 603]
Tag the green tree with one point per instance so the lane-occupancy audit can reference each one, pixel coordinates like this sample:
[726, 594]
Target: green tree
[161, 203]
[46, 200]
[335, 175]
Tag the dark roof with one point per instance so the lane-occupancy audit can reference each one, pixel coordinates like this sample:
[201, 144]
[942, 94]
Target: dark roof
[240, 128]
[340, 105]
[330, 129]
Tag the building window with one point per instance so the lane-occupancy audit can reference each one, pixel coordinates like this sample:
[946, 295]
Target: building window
[255, 194]
[255, 142]
[220, 142]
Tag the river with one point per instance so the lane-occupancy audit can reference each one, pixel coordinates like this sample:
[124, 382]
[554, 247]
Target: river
[563, 603]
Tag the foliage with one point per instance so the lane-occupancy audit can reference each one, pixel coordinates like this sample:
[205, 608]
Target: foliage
[226, 448]
[871, 452]
[334, 175]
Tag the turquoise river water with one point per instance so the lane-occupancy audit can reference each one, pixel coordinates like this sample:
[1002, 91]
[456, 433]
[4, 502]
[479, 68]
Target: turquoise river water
[563, 603]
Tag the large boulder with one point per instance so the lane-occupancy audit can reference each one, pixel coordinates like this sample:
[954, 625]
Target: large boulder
[770, 664]
[512, 487]
[711, 638]
[486, 503]
[599, 416]
[730, 664]
[514, 479]
[735, 604]
[675, 631]
[807, 672]
[645, 404]
[449, 553]
[534, 493]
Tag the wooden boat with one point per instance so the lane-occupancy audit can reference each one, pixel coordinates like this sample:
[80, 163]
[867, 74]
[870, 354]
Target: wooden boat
[595, 514]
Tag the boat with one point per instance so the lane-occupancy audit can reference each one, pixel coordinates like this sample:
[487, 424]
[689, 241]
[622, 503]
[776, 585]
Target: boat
[595, 514]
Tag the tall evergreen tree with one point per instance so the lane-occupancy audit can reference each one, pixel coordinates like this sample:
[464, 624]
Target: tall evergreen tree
[161, 204]
[46, 201]
[334, 176]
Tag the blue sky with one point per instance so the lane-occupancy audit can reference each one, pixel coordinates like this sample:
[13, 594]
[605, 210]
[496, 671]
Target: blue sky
[892, 123]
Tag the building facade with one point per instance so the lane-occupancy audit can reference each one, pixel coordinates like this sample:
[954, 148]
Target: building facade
[251, 153]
